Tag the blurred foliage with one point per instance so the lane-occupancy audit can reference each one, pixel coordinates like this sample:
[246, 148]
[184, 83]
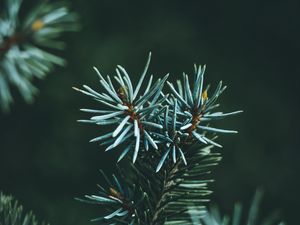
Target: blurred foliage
[11, 212]
[251, 217]
[45, 157]
[21, 57]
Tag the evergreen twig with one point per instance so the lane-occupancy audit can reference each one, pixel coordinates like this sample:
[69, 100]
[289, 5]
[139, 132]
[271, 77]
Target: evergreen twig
[22, 44]
[11, 212]
[213, 217]
[170, 140]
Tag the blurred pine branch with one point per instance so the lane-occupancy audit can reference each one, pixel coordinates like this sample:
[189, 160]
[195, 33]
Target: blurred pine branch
[253, 217]
[24, 45]
[12, 213]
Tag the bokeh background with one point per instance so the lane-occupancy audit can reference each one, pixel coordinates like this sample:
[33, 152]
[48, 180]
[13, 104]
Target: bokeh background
[253, 46]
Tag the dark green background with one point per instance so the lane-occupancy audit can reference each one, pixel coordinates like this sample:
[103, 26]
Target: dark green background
[253, 46]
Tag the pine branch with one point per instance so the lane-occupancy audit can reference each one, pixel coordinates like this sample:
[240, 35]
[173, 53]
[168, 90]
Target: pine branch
[177, 188]
[170, 141]
[121, 199]
[214, 217]
[168, 184]
[11, 213]
[22, 43]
